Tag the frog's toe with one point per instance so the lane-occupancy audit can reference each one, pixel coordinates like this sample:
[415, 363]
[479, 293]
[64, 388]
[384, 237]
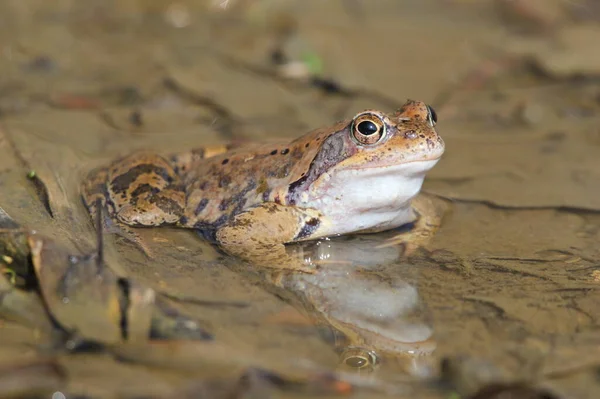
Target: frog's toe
[135, 216]
[124, 231]
[410, 242]
[137, 241]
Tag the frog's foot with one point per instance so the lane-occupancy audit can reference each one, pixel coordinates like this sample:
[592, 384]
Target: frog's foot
[259, 234]
[429, 212]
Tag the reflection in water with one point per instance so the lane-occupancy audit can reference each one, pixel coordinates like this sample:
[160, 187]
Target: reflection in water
[364, 296]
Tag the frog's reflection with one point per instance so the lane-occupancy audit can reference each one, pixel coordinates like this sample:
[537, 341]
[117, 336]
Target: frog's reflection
[363, 300]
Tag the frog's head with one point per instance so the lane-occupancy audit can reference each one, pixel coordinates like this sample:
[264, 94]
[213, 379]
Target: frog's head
[379, 140]
[374, 161]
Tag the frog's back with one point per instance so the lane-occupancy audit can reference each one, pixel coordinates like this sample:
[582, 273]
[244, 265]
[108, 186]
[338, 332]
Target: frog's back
[220, 187]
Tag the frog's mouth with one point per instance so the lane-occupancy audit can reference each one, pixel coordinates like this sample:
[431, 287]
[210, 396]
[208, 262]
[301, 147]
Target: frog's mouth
[409, 168]
[421, 160]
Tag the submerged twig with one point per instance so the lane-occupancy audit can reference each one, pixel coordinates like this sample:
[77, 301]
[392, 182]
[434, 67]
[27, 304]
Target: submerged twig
[41, 191]
[99, 235]
[39, 186]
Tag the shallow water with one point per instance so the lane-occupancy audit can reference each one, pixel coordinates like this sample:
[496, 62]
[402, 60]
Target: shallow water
[510, 280]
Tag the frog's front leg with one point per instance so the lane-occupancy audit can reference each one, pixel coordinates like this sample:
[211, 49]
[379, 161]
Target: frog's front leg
[428, 215]
[258, 235]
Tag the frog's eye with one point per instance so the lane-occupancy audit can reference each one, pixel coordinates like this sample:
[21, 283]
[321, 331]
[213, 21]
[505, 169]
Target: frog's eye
[368, 128]
[358, 358]
[431, 116]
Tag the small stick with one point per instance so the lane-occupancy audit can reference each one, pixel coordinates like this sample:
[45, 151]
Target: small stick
[99, 234]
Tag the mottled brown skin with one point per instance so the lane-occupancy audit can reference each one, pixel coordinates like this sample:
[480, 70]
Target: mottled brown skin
[245, 198]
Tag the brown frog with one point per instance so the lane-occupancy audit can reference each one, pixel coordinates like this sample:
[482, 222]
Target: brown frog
[359, 175]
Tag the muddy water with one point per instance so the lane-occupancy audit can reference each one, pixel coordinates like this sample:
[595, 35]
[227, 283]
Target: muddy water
[510, 284]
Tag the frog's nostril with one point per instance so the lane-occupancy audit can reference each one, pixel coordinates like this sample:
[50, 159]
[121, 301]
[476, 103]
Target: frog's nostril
[411, 134]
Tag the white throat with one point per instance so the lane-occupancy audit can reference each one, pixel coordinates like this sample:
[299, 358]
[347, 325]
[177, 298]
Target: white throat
[367, 198]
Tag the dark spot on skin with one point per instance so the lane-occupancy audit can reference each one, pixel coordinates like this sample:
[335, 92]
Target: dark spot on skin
[220, 221]
[238, 201]
[271, 208]
[201, 205]
[306, 145]
[167, 205]
[430, 144]
[144, 188]
[238, 208]
[224, 181]
[297, 153]
[225, 161]
[124, 181]
[277, 200]
[422, 136]
[273, 152]
[309, 228]
[266, 195]
[176, 187]
[203, 185]
[224, 204]
[285, 151]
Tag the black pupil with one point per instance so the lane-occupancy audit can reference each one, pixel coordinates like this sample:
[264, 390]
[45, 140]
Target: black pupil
[367, 128]
[432, 114]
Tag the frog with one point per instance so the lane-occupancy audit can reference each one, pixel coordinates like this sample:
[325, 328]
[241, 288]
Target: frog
[254, 200]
